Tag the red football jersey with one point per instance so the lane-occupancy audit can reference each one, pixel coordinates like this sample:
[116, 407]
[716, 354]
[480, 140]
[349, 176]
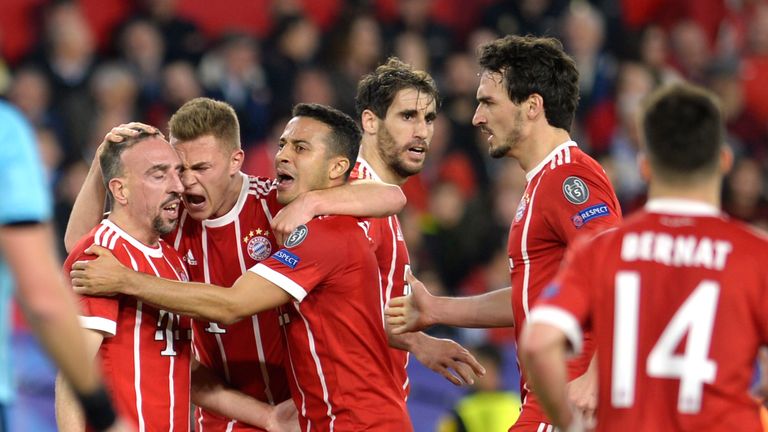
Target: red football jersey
[392, 255]
[567, 195]
[676, 299]
[337, 348]
[145, 353]
[248, 354]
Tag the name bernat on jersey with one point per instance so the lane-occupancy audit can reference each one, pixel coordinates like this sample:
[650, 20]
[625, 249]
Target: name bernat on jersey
[676, 251]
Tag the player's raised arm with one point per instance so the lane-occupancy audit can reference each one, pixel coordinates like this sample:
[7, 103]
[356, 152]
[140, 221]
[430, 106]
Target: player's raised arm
[89, 204]
[105, 276]
[421, 309]
[362, 198]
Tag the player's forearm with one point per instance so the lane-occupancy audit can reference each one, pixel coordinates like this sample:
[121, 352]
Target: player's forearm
[195, 300]
[406, 341]
[88, 208]
[361, 198]
[46, 302]
[213, 394]
[69, 415]
[542, 350]
[493, 309]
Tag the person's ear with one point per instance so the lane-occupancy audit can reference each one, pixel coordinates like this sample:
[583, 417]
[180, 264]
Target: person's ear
[339, 167]
[726, 159]
[534, 106]
[119, 190]
[236, 161]
[369, 122]
[644, 166]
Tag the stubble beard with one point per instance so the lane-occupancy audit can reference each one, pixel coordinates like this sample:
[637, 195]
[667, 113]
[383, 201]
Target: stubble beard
[161, 227]
[388, 152]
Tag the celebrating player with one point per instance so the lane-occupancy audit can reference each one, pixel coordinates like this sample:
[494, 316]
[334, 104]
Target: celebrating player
[526, 102]
[676, 296]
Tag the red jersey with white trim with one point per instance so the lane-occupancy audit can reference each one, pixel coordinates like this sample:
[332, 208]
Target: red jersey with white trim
[248, 354]
[145, 353]
[567, 195]
[676, 299]
[392, 255]
[340, 379]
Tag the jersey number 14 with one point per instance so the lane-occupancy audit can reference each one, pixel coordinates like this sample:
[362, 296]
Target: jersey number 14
[694, 318]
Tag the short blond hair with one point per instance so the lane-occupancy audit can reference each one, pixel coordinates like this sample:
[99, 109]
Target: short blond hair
[204, 116]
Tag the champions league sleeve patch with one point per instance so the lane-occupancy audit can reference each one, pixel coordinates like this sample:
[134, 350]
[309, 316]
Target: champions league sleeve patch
[589, 213]
[287, 258]
[575, 190]
[297, 236]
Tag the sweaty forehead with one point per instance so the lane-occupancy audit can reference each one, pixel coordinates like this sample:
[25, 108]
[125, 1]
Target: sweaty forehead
[491, 84]
[304, 129]
[148, 153]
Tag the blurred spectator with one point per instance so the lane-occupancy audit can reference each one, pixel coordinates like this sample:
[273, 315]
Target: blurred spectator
[354, 49]
[143, 49]
[233, 72]
[487, 408]
[293, 46]
[182, 38]
[413, 18]
[522, 17]
[68, 60]
[114, 89]
[179, 84]
[744, 193]
[691, 50]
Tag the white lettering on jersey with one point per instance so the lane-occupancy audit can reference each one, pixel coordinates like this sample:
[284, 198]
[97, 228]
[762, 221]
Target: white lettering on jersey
[675, 251]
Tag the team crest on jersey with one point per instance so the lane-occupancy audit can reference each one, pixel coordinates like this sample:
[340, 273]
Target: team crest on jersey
[575, 190]
[259, 248]
[297, 236]
[521, 207]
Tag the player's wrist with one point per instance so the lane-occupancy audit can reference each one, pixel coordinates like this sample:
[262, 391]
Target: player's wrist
[97, 409]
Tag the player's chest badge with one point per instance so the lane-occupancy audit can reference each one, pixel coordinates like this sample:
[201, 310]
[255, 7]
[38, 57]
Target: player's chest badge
[522, 207]
[257, 244]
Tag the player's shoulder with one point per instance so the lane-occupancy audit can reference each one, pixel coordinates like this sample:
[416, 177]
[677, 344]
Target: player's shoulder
[261, 186]
[103, 235]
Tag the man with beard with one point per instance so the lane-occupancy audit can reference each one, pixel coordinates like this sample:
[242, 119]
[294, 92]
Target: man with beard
[144, 350]
[333, 318]
[397, 107]
[224, 229]
[527, 98]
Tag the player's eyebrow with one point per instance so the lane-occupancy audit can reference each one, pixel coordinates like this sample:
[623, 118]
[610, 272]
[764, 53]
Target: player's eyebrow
[158, 168]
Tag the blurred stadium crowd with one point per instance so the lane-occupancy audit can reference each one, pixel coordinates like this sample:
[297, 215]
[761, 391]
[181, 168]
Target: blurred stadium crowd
[77, 68]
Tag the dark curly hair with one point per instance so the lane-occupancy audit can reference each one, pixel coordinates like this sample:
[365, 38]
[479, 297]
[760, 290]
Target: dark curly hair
[536, 65]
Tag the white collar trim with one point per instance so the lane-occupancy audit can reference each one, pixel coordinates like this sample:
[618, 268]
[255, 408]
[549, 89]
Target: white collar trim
[364, 164]
[532, 173]
[234, 213]
[682, 207]
[154, 252]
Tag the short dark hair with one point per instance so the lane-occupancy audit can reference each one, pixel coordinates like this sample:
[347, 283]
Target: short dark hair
[345, 136]
[377, 90]
[683, 132]
[536, 65]
[110, 159]
[205, 116]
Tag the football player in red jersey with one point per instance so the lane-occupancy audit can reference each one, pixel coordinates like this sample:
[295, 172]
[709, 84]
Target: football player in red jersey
[676, 295]
[224, 229]
[397, 106]
[144, 351]
[324, 274]
[527, 98]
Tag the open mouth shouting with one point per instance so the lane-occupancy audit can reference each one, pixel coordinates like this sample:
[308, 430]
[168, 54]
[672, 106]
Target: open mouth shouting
[284, 180]
[171, 208]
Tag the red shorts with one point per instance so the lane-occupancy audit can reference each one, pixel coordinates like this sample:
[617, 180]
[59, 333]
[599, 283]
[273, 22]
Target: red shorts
[532, 417]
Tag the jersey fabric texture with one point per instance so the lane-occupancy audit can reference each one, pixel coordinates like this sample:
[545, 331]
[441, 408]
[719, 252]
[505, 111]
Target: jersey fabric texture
[248, 354]
[337, 348]
[26, 198]
[567, 195]
[145, 354]
[392, 256]
[676, 299]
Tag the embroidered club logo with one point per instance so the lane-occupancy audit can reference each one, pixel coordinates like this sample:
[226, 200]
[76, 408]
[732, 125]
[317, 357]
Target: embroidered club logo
[575, 190]
[297, 236]
[521, 207]
[259, 248]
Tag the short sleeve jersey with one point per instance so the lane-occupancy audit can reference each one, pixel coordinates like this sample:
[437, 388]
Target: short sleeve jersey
[26, 198]
[341, 381]
[248, 354]
[146, 351]
[567, 195]
[392, 256]
[676, 300]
